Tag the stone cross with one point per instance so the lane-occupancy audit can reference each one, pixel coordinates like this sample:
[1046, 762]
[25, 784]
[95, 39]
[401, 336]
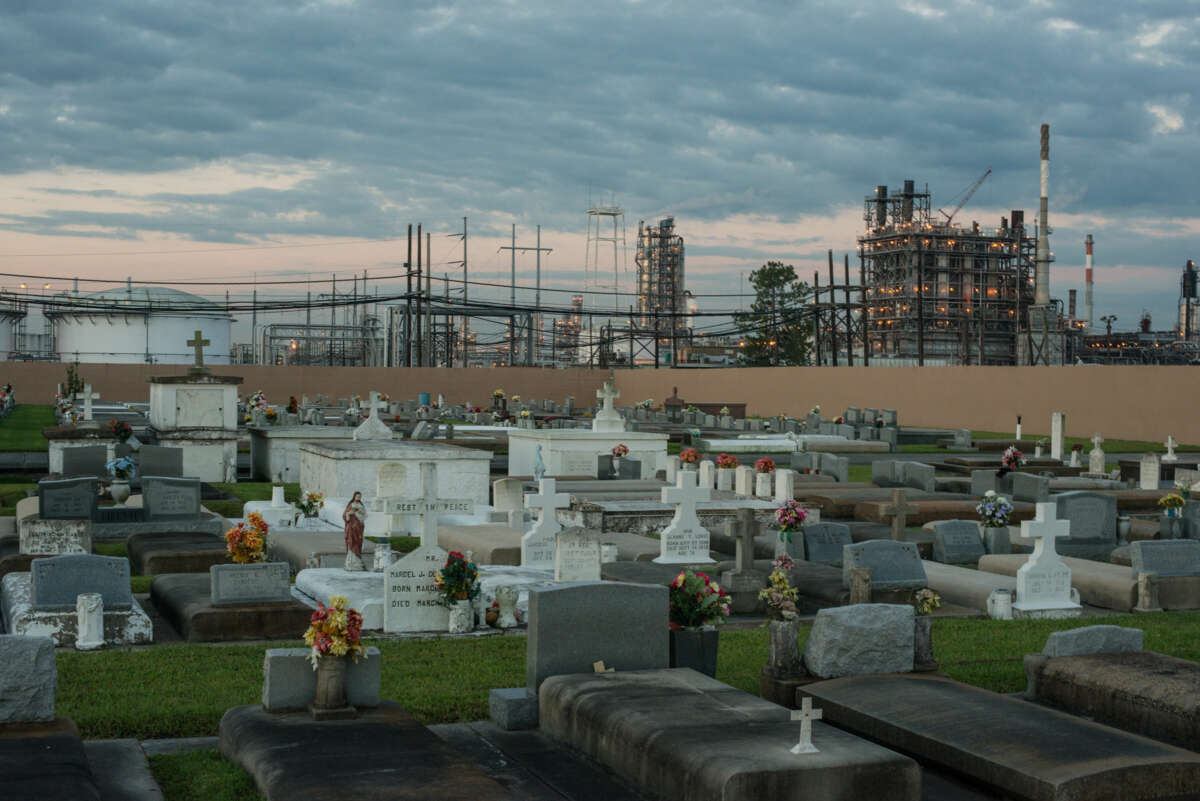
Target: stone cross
[538, 545]
[899, 509]
[547, 501]
[607, 394]
[1171, 444]
[87, 396]
[1097, 440]
[1045, 528]
[377, 405]
[806, 715]
[684, 495]
[198, 342]
[747, 529]
[428, 506]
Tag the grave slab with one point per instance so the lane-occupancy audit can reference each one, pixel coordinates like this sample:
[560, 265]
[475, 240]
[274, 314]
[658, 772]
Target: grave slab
[47, 762]
[384, 754]
[29, 682]
[1100, 584]
[1018, 749]
[965, 587]
[185, 601]
[180, 552]
[680, 735]
[362, 589]
[491, 544]
[128, 626]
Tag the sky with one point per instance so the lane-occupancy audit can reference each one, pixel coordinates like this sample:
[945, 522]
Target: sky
[236, 143]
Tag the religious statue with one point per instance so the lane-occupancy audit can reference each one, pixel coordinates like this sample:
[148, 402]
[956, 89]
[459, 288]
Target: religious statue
[355, 518]
[539, 467]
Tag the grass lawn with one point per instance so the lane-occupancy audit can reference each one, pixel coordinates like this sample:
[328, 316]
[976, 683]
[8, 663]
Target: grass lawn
[202, 776]
[22, 429]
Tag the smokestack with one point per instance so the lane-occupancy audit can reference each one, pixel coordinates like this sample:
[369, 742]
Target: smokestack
[1087, 281]
[1071, 304]
[1041, 287]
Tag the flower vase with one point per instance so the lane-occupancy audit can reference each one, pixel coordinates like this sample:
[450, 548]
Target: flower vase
[695, 649]
[1168, 526]
[462, 617]
[784, 654]
[689, 466]
[616, 466]
[762, 484]
[1123, 524]
[923, 660]
[119, 490]
[329, 703]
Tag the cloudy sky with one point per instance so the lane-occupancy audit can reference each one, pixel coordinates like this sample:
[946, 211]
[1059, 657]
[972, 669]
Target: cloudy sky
[239, 141]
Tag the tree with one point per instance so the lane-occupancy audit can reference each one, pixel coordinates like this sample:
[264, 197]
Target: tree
[777, 329]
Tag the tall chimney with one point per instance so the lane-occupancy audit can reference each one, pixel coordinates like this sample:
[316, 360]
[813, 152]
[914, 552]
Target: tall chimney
[1041, 287]
[1071, 304]
[1087, 281]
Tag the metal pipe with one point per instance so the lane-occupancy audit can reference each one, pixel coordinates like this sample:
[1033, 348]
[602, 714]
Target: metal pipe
[1041, 284]
[1087, 279]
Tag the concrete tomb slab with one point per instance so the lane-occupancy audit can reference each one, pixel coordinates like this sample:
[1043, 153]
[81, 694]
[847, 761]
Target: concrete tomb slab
[182, 552]
[185, 601]
[29, 681]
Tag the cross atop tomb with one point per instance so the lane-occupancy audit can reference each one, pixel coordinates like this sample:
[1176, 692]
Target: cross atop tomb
[1171, 445]
[198, 342]
[607, 394]
[684, 495]
[547, 501]
[1097, 441]
[428, 506]
[87, 396]
[746, 528]
[539, 544]
[806, 715]
[377, 404]
[1045, 528]
[899, 509]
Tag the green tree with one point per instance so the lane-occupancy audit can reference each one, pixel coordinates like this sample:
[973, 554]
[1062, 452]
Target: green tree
[777, 329]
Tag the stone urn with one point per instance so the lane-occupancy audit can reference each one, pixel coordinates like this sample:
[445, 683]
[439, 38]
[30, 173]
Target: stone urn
[462, 617]
[762, 484]
[506, 600]
[616, 466]
[119, 490]
[329, 703]
[923, 660]
[1123, 524]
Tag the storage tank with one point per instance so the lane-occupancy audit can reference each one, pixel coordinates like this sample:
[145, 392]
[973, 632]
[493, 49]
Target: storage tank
[138, 324]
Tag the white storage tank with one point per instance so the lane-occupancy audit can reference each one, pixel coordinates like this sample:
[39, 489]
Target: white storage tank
[139, 325]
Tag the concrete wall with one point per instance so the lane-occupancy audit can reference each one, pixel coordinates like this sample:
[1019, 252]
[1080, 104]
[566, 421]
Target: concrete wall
[1145, 403]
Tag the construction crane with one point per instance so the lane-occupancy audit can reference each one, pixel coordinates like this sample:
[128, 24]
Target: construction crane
[950, 217]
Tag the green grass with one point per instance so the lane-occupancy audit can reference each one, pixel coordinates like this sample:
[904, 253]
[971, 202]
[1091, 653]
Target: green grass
[11, 493]
[202, 776]
[22, 429]
[859, 472]
[921, 449]
[248, 491]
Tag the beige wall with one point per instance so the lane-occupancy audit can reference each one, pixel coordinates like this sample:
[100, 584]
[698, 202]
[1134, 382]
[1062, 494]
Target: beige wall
[1146, 403]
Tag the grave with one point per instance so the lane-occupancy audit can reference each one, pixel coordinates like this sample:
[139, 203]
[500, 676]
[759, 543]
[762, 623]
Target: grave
[1044, 581]
[576, 555]
[744, 582]
[1030, 488]
[1093, 519]
[79, 450]
[1007, 746]
[957, 542]
[684, 541]
[538, 544]
[231, 602]
[179, 552]
[824, 543]
[411, 599]
[573, 452]
[275, 450]
[42, 602]
[895, 566]
[861, 638]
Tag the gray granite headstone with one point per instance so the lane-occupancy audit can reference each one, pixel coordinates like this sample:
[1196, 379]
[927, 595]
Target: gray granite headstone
[1093, 515]
[860, 639]
[894, 565]
[1191, 520]
[890, 418]
[1030, 488]
[157, 460]
[919, 476]
[957, 542]
[823, 542]
[631, 469]
[572, 626]
[266, 582]
[853, 415]
[982, 481]
[56, 581]
[1167, 558]
[830, 464]
[962, 438]
[1093, 640]
[86, 460]
[166, 498]
[891, 436]
[68, 499]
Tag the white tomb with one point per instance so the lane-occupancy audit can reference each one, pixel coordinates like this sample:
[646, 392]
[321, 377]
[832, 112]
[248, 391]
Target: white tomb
[538, 544]
[411, 599]
[276, 513]
[574, 452]
[607, 419]
[275, 450]
[1058, 424]
[684, 541]
[1044, 582]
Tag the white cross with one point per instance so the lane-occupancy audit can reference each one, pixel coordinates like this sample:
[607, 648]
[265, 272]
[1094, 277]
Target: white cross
[87, 396]
[806, 715]
[1046, 528]
[684, 495]
[428, 506]
[546, 501]
[1097, 440]
[607, 394]
[377, 405]
[1170, 443]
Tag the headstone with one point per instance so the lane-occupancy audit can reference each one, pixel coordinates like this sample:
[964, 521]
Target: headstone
[87, 460]
[156, 460]
[853, 415]
[894, 565]
[743, 480]
[1171, 444]
[830, 464]
[89, 621]
[68, 499]
[57, 581]
[573, 626]
[860, 639]
[806, 715]
[411, 598]
[507, 494]
[962, 438]
[1093, 640]
[87, 396]
[785, 485]
[1058, 424]
[607, 419]
[538, 544]
[672, 467]
[630, 470]
[982, 481]
[604, 467]
[684, 540]
[1096, 461]
[919, 476]
[891, 436]
[265, 582]
[883, 472]
[708, 474]
[1030, 488]
[957, 542]
[824, 542]
[1148, 474]
[1044, 582]
[1167, 558]
[1092, 515]
[170, 498]
[891, 418]
[29, 680]
[899, 509]
[576, 555]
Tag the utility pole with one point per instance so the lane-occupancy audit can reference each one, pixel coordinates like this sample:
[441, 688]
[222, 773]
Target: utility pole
[420, 343]
[428, 302]
[512, 347]
[408, 303]
[833, 337]
[849, 319]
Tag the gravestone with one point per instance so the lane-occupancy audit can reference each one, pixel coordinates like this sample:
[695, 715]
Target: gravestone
[708, 474]
[1148, 473]
[962, 438]
[538, 544]
[919, 476]
[265, 582]
[573, 626]
[87, 460]
[891, 418]
[957, 542]
[743, 480]
[883, 473]
[1093, 640]
[57, 581]
[68, 499]
[604, 467]
[1044, 582]
[891, 436]
[894, 565]
[170, 498]
[507, 495]
[861, 639]
[684, 540]
[785, 485]
[1167, 558]
[630, 469]
[411, 598]
[576, 555]
[29, 681]
[853, 415]
[155, 460]
[824, 542]
[1058, 424]
[1096, 463]
[899, 509]
[1030, 488]
[744, 581]
[1092, 515]
[984, 480]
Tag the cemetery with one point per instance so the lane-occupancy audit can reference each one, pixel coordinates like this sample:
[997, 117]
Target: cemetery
[214, 590]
